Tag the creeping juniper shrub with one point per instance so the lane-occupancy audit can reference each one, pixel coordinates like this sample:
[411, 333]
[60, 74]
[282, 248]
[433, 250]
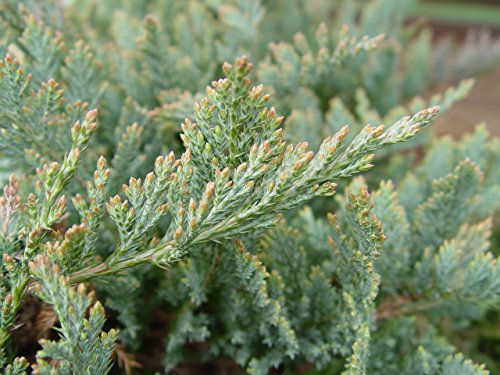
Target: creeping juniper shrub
[203, 212]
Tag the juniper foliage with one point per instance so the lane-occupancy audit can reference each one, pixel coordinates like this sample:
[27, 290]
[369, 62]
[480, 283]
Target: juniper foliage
[226, 231]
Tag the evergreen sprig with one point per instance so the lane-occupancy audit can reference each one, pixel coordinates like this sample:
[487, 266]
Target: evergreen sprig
[236, 175]
[82, 347]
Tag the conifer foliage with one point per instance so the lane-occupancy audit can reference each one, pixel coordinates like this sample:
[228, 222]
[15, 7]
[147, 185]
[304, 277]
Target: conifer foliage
[137, 199]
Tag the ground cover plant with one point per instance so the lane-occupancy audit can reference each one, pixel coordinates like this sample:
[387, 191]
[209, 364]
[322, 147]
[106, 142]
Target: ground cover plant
[295, 216]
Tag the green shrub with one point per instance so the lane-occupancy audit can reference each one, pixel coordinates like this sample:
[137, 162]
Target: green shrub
[210, 218]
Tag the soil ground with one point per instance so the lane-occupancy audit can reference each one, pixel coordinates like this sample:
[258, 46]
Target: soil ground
[483, 102]
[482, 105]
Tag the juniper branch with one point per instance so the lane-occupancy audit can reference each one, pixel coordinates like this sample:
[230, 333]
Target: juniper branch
[45, 208]
[237, 174]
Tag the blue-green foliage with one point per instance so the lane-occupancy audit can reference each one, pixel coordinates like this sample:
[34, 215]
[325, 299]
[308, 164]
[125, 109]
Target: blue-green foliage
[216, 239]
[82, 348]
[284, 288]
